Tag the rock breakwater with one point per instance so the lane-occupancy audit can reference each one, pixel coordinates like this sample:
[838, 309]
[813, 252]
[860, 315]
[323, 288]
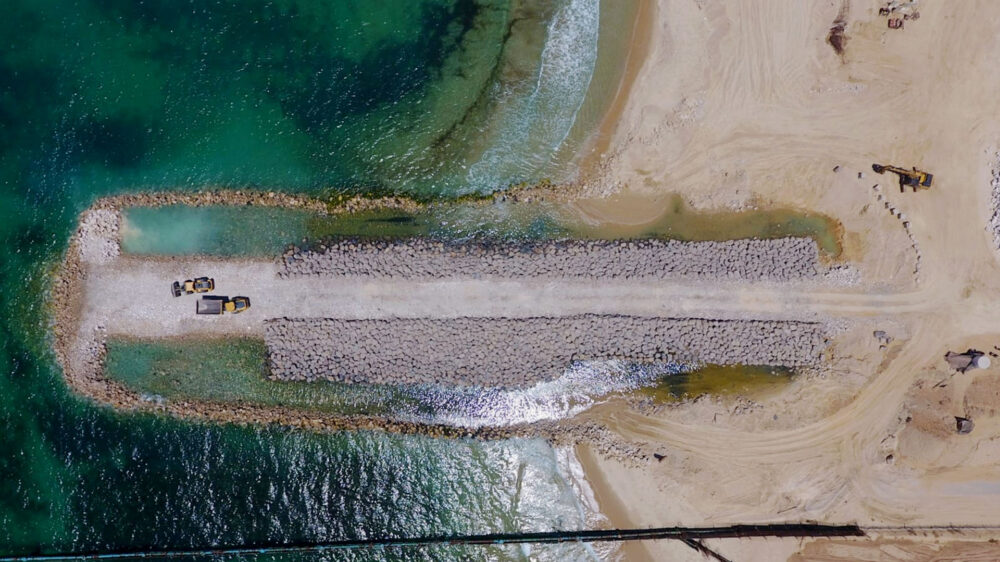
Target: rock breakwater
[99, 231]
[520, 352]
[781, 259]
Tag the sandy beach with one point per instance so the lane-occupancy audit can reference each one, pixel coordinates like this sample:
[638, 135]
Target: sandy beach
[745, 104]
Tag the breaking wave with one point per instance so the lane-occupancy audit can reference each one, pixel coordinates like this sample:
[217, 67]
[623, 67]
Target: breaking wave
[534, 126]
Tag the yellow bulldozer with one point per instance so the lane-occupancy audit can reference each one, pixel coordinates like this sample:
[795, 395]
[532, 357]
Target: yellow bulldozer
[913, 178]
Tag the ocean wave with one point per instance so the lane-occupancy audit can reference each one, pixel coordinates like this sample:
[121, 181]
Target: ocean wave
[534, 126]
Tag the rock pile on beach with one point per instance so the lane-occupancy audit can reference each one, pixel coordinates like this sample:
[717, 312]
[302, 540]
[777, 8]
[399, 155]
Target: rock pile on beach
[519, 352]
[779, 259]
[98, 236]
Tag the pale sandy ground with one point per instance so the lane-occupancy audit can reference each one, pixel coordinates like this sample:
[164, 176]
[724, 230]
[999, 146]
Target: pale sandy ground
[148, 310]
[742, 102]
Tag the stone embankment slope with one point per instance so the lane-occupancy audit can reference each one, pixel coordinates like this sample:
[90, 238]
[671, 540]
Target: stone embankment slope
[505, 351]
[782, 259]
[481, 314]
[520, 352]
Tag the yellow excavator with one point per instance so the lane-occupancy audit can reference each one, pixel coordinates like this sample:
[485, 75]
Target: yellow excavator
[913, 178]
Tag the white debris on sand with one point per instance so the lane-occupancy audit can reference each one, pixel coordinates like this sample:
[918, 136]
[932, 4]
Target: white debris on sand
[995, 199]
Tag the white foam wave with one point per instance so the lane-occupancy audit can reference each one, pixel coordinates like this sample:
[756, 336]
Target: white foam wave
[582, 386]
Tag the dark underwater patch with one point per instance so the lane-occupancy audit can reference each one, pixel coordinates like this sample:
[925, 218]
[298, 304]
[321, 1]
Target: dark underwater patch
[118, 142]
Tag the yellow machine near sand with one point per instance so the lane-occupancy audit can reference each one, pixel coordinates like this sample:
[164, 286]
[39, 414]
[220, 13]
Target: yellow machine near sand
[222, 305]
[913, 178]
[192, 286]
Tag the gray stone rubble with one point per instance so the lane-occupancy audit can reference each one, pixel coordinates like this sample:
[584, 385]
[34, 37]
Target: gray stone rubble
[519, 352]
[99, 230]
[781, 259]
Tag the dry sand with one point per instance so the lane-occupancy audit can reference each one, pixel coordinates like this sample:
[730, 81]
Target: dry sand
[743, 103]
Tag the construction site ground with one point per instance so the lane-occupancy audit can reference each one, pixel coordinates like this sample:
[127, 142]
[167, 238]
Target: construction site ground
[745, 102]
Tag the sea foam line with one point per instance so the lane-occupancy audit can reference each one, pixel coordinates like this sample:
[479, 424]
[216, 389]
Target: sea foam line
[579, 388]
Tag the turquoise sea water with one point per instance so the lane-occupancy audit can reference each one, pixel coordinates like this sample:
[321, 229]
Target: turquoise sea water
[232, 370]
[427, 97]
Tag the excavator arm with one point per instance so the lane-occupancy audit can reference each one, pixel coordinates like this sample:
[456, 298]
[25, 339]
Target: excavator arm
[914, 177]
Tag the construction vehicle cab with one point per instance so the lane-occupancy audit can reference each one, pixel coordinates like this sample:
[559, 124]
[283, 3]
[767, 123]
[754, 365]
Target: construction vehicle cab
[191, 286]
[236, 305]
[913, 178]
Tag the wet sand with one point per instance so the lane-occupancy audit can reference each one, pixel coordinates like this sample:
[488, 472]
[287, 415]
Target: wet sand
[599, 142]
